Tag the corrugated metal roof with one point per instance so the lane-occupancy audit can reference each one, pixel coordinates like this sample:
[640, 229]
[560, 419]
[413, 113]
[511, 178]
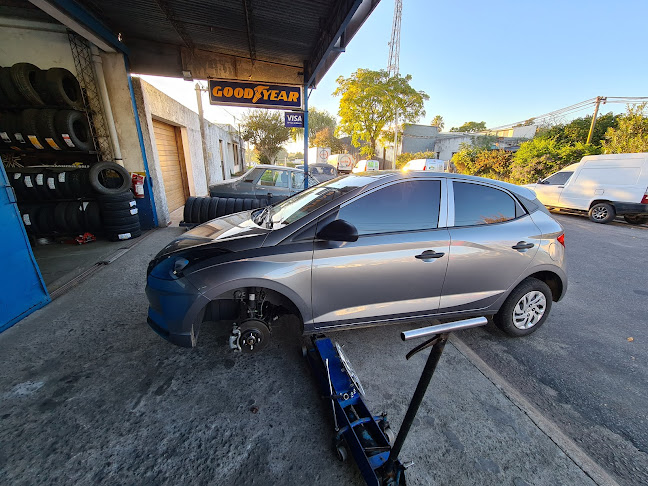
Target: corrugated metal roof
[283, 31]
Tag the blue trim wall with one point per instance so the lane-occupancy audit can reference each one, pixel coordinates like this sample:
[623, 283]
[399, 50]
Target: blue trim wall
[145, 206]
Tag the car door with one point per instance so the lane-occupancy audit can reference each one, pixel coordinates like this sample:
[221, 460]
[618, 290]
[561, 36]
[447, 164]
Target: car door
[493, 240]
[550, 189]
[395, 269]
[275, 182]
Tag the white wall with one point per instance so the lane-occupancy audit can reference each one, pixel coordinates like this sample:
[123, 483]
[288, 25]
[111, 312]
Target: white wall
[42, 44]
[152, 105]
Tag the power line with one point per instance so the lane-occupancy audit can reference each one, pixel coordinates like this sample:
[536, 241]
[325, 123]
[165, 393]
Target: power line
[562, 113]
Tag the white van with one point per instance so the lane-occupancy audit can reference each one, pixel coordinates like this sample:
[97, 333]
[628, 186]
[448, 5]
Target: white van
[434, 165]
[366, 165]
[342, 162]
[603, 185]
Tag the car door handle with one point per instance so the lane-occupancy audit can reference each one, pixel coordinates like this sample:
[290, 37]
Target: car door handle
[522, 245]
[428, 254]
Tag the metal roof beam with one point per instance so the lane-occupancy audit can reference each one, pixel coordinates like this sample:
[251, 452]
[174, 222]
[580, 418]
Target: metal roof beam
[177, 26]
[345, 19]
[247, 7]
[80, 20]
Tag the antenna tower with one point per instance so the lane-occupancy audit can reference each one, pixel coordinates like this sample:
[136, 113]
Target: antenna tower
[393, 63]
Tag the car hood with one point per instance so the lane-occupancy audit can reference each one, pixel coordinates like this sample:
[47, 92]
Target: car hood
[233, 232]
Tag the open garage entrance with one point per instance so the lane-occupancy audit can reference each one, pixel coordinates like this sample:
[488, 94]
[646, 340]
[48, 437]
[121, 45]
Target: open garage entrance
[276, 41]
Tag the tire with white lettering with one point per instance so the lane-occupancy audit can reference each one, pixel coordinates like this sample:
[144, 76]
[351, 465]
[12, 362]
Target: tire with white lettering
[47, 129]
[23, 75]
[30, 130]
[40, 180]
[74, 129]
[29, 214]
[29, 187]
[8, 129]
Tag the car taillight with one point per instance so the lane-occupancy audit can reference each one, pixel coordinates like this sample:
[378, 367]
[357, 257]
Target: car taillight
[561, 239]
[644, 199]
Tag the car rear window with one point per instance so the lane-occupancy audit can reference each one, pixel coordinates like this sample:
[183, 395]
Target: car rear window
[476, 204]
[404, 206]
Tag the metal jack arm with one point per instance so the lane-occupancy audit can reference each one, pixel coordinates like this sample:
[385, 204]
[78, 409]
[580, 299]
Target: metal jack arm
[439, 336]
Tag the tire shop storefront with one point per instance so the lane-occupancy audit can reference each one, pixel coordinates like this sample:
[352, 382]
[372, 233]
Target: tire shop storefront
[75, 127]
[67, 201]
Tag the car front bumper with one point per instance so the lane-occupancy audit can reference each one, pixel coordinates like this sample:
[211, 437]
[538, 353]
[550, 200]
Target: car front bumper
[173, 313]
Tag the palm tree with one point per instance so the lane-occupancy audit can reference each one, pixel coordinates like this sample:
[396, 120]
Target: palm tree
[437, 121]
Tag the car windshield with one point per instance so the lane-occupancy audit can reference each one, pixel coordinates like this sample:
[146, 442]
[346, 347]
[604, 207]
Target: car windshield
[298, 206]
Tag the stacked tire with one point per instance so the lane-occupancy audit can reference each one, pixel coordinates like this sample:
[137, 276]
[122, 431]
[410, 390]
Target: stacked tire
[63, 218]
[199, 210]
[44, 110]
[120, 216]
[40, 185]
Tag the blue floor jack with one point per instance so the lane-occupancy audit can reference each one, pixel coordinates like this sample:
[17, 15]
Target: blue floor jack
[369, 438]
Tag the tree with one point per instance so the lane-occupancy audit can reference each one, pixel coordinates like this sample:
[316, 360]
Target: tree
[325, 138]
[266, 130]
[404, 158]
[369, 101]
[631, 136]
[470, 127]
[438, 122]
[541, 157]
[577, 130]
[478, 159]
[318, 120]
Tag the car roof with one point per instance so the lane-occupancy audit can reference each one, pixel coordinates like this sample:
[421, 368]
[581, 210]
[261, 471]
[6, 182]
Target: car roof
[270, 166]
[397, 174]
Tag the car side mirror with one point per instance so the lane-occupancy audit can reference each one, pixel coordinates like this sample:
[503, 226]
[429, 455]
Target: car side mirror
[338, 230]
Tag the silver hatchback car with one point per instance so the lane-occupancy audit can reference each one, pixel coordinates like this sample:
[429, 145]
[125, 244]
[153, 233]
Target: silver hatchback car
[363, 250]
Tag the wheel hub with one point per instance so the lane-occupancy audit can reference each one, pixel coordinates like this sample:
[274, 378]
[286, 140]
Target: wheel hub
[529, 309]
[251, 336]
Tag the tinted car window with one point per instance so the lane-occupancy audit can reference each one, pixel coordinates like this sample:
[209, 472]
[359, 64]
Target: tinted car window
[476, 204]
[558, 179]
[405, 206]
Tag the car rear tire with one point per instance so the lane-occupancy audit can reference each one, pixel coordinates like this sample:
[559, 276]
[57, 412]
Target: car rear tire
[635, 219]
[525, 309]
[602, 213]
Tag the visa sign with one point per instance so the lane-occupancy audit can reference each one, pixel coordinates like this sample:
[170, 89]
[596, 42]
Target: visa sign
[294, 119]
[254, 95]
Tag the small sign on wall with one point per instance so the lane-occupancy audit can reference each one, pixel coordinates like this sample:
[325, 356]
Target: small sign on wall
[294, 119]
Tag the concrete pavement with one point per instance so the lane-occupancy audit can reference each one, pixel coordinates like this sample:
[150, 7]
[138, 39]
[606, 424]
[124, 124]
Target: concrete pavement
[90, 395]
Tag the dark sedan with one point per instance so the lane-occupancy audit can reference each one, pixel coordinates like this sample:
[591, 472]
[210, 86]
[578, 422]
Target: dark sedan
[321, 172]
[261, 180]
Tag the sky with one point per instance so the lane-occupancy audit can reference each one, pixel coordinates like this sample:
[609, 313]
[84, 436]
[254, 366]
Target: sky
[498, 61]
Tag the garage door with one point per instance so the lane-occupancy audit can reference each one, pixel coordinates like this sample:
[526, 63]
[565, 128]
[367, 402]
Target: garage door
[171, 162]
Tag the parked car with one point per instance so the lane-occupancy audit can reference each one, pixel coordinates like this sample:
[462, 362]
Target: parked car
[366, 166]
[261, 180]
[342, 162]
[364, 250]
[603, 185]
[436, 165]
[320, 172]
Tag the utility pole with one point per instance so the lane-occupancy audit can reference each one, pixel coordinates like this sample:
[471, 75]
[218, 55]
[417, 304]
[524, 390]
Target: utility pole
[596, 109]
[199, 90]
[393, 63]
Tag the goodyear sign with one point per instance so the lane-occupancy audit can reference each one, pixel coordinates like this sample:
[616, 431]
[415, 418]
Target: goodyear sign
[254, 95]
